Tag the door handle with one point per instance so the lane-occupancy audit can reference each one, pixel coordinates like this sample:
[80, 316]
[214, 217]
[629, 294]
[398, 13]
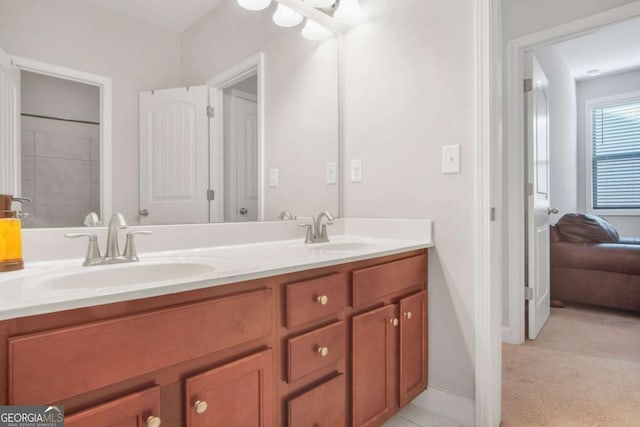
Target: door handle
[553, 211]
[243, 211]
[143, 212]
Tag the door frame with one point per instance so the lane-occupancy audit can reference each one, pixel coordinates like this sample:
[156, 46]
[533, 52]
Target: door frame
[514, 333]
[106, 113]
[247, 68]
[235, 94]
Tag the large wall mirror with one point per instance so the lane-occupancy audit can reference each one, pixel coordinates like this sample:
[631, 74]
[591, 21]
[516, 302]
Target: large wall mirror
[206, 113]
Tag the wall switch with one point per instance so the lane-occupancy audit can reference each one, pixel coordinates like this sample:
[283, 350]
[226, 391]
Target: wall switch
[451, 159]
[356, 170]
[273, 177]
[332, 175]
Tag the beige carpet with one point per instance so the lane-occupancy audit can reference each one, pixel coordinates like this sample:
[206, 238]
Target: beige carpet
[583, 370]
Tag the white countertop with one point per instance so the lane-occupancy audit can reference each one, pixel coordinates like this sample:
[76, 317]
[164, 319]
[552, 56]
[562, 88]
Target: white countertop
[50, 286]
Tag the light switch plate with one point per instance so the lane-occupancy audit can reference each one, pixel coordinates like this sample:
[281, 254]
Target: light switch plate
[451, 159]
[332, 175]
[273, 177]
[356, 170]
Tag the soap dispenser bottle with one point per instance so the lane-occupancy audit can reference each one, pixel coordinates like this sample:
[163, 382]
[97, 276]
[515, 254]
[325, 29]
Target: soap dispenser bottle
[10, 234]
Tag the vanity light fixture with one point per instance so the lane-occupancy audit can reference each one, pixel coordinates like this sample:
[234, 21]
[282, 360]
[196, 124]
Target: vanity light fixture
[320, 3]
[349, 11]
[314, 31]
[286, 17]
[254, 4]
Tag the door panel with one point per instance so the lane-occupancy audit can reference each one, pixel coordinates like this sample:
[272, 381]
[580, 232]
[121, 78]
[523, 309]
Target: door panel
[174, 153]
[10, 174]
[238, 394]
[413, 346]
[244, 137]
[537, 246]
[374, 366]
[130, 411]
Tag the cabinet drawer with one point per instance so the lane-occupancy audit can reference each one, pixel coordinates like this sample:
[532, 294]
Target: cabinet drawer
[315, 299]
[370, 284]
[306, 351]
[323, 406]
[132, 410]
[50, 366]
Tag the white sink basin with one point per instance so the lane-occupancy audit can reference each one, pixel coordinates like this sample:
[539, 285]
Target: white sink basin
[127, 274]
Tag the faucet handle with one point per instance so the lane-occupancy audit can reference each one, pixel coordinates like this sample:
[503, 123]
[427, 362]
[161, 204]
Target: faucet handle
[130, 247]
[93, 251]
[309, 238]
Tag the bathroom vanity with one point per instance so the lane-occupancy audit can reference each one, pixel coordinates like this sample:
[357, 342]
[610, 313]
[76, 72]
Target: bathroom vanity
[335, 341]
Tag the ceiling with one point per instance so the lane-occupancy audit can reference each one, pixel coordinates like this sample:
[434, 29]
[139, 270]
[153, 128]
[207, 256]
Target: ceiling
[611, 49]
[174, 15]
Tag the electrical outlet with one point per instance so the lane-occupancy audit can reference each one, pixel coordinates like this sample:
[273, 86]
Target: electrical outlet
[273, 177]
[356, 170]
[332, 175]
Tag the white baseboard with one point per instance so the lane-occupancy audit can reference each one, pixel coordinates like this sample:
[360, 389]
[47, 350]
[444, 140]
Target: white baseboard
[457, 408]
[508, 337]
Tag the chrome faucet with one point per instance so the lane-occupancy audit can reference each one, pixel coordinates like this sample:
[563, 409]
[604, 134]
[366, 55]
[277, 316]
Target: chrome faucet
[317, 230]
[286, 216]
[112, 255]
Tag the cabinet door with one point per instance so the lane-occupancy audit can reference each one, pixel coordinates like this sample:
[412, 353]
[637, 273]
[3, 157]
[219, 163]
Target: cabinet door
[323, 406]
[413, 346]
[135, 410]
[374, 366]
[238, 394]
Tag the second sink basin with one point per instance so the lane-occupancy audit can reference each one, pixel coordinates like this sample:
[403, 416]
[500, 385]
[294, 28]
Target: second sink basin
[128, 274]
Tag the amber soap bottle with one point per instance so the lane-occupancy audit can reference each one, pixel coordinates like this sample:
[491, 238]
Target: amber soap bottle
[10, 235]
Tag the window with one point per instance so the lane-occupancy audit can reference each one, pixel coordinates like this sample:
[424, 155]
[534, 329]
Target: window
[615, 155]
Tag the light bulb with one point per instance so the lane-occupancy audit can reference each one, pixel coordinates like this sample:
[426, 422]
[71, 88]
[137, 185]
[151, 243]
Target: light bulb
[349, 11]
[284, 16]
[320, 3]
[314, 31]
[254, 4]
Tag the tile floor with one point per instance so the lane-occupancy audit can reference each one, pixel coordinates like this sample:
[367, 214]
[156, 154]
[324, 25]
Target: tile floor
[414, 416]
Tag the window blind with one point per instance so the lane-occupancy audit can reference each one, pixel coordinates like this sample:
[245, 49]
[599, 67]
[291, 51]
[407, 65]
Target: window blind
[615, 155]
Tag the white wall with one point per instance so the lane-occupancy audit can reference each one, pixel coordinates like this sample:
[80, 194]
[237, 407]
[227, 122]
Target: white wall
[520, 18]
[301, 99]
[78, 34]
[615, 84]
[409, 90]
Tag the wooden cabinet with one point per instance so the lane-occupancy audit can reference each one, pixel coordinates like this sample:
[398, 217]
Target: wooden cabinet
[237, 394]
[337, 346]
[413, 346]
[374, 362]
[135, 410]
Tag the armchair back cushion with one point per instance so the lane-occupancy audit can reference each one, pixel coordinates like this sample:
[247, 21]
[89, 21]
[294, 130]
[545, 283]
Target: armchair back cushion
[583, 228]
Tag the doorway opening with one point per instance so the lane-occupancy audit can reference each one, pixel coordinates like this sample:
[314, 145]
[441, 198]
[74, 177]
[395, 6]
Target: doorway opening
[574, 212]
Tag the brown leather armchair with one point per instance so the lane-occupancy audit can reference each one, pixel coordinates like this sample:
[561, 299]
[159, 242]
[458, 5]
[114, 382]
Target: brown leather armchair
[591, 264]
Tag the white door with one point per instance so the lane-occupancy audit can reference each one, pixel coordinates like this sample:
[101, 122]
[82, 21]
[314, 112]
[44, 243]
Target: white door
[537, 201]
[244, 143]
[10, 175]
[174, 156]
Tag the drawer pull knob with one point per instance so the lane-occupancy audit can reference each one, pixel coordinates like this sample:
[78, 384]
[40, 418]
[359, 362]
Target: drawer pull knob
[323, 351]
[393, 321]
[201, 407]
[322, 299]
[408, 315]
[154, 421]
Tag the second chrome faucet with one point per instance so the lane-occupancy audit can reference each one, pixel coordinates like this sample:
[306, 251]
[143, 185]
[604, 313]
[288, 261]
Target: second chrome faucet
[317, 229]
[112, 254]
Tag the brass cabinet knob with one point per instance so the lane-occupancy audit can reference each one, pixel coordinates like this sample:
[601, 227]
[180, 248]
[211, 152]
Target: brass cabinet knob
[394, 322]
[323, 351]
[323, 299]
[201, 407]
[154, 421]
[408, 315]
